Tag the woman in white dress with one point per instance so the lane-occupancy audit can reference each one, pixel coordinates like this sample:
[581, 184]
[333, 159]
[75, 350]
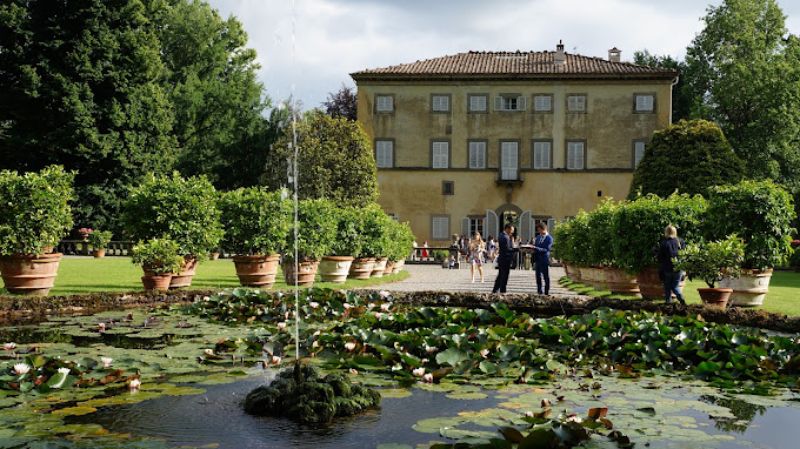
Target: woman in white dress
[476, 249]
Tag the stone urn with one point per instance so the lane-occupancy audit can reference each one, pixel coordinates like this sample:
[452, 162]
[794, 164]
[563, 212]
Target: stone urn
[335, 268]
[749, 289]
[379, 267]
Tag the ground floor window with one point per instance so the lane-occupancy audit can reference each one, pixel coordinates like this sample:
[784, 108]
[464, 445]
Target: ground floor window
[476, 225]
[440, 227]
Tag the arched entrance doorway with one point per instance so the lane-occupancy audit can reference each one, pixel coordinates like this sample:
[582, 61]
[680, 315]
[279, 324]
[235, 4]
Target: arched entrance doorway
[509, 213]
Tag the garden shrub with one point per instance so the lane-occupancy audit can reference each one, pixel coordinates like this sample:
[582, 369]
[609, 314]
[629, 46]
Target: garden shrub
[316, 230]
[761, 213]
[183, 210]
[600, 227]
[36, 212]
[100, 239]
[159, 256]
[640, 224]
[374, 225]
[688, 157]
[348, 241]
[401, 240]
[562, 242]
[255, 221]
[713, 261]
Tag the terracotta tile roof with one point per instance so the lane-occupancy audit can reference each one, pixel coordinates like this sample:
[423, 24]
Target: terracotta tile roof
[514, 65]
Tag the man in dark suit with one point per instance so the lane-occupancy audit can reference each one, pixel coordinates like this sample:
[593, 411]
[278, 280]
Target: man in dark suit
[506, 247]
[541, 251]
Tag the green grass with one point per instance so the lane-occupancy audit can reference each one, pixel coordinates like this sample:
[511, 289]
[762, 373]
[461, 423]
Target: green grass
[783, 296]
[77, 275]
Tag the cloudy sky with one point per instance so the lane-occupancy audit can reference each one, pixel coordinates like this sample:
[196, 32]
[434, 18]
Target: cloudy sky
[310, 46]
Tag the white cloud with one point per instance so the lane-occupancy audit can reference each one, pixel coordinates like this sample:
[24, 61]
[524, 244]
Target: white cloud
[333, 38]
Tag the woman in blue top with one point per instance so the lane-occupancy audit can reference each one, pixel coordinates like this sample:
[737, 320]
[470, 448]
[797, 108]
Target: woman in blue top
[541, 256]
[668, 250]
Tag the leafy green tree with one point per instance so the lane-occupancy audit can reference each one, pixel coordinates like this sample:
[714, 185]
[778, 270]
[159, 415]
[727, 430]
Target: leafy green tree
[682, 96]
[745, 69]
[81, 86]
[342, 103]
[688, 157]
[212, 81]
[335, 160]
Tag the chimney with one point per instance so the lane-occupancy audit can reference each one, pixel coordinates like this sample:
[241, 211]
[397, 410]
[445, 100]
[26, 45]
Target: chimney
[614, 54]
[560, 58]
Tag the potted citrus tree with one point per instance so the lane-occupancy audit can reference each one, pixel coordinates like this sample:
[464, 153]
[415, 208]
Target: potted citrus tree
[160, 260]
[35, 215]
[316, 230]
[563, 249]
[256, 223]
[183, 210]
[375, 231]
[761, 213]
[638, 227]
[345, 247]
[402, 241]
[99, 241]
[362, 265]
[712, 262]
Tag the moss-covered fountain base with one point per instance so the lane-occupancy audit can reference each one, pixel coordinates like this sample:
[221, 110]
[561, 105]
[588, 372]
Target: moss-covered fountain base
[300, 394]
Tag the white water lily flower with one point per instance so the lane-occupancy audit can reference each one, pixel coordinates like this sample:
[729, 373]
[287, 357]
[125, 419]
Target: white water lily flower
[484, 353]
[431, 349]
[134, 384]
[208, 351]
[574, 418]
[313, 304]
[276, 360]
[378, 315]
[428, 377]
[9, 346]
[282, 325]
[418, 372]
[315, 344]
[384, 294]
[354, 371]
[101, 327]
[529, 414]
[317, 333]
[21, 369]
[386, 306]
[106, 361]
[64, 370]
[350, 346]
[347, 306]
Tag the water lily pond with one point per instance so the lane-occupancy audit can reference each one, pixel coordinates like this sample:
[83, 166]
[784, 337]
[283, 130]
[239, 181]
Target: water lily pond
[177, 377]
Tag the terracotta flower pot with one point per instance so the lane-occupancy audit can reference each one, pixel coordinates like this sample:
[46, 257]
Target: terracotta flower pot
[213, 256]
[184, 277]
[389, 268]
[618, 281]
[361, 268]
[717, 297]
[749, 289]
[99, 253]
[398, 266]
[30, 274]
[379, 267]
[305, 274]
[160, 282]
[335, 268]
[650, 285]
[257, 270]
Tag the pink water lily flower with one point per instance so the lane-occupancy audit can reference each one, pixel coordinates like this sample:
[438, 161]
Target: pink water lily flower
[484, 353]
[134, 384]
[354, 371]
[282, 325]
[428, 377]
[21, 369]
[418, 372]
[386, 306]
[276, 360]
[9, 346]
[313, 304]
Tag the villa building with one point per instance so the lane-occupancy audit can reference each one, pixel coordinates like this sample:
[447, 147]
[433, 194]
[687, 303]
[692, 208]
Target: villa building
[467, 142]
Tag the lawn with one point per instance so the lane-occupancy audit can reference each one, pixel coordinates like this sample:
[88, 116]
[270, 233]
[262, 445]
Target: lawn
[78, 275]
[783, 296]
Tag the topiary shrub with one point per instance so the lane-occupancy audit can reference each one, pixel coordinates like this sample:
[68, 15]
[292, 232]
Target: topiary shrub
[761, 213]
[35, 213]
[300, 394]
[599, 228]
[688, 157]
[374, 226]
[348, 241]
[563, 249]
[640, 224]
[255, 221]
[183, 210]
[580, 239]
[316, 230]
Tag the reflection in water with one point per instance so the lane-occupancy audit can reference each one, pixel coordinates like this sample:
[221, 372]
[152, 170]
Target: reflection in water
[743, 412]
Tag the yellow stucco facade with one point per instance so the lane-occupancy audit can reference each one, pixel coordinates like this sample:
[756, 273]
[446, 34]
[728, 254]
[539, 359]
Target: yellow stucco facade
[412, 190]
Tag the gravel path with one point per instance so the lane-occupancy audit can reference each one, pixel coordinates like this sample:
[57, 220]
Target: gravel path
[436, 278]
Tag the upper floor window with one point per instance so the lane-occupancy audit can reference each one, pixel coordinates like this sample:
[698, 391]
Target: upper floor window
[384, 153]
[644, 102]
[440, 154]
[477, 102]
[576, 155]
[542, 152]
[543, 103]
[638, 152]
[440, 103]
[509, 102]
[477, 154]
[384, 103]
[576, 103]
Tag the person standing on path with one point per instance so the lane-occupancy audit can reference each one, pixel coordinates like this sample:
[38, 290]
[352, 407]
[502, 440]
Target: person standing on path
[476, 249]
[506, 248]
[668, 250]
[541, 257]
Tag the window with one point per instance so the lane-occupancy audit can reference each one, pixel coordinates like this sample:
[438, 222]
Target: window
[448, 188]
[644, 103]
[638, 152]
[543, 220]
[509, 161]
[542, 152]
[384, 103]
[440, 227]
[477, 154]
[476, 225]
[576, 155]
[384, 153]
[477, 103]
[440, 154]
[509, 102]
[543, 103]
[576, 103]
[440, 103]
